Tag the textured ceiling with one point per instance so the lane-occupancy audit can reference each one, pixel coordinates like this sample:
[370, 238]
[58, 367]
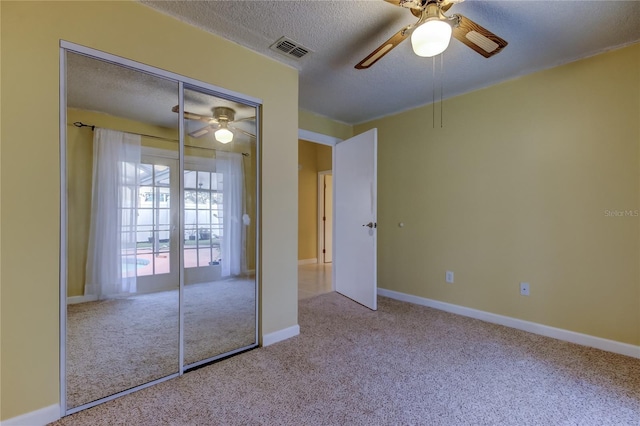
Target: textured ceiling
[541, 34]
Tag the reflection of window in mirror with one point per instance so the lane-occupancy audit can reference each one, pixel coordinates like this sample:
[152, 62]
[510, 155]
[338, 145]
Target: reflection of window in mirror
[203, 218]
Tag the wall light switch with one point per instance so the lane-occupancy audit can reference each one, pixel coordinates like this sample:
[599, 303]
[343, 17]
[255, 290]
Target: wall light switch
[524, 289]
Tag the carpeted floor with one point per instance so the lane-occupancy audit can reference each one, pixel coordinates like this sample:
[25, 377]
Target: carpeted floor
[404, 364]
[116, 344]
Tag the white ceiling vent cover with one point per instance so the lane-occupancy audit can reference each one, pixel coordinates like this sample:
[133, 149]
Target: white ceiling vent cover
[289, 48]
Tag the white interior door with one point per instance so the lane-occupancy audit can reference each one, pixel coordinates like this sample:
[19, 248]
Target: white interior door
[355, 194]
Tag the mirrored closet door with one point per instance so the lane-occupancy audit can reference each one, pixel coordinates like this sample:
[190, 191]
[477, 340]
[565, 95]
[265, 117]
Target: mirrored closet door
[219, 226]
[159, 217]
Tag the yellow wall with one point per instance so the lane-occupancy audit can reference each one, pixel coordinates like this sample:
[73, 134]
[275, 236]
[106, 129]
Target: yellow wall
[323, 125]
[312, 158]
[515, 188]
[30, 35]
[307, 201]
[324, 155]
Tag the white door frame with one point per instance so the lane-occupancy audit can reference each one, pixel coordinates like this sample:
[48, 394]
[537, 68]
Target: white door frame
[321, 139]
[321, 222]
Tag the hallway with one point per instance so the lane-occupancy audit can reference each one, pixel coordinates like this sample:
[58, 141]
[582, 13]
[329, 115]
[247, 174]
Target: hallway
[314, 279]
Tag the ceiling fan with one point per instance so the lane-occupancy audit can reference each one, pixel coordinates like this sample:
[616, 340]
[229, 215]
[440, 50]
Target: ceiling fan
[220, 123]
[430, 36]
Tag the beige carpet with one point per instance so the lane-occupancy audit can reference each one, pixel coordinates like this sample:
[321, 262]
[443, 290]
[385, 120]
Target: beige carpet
[404, 364]
[113, 345]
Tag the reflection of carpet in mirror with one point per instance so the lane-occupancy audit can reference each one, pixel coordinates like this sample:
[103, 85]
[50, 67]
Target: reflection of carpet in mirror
[116, 344]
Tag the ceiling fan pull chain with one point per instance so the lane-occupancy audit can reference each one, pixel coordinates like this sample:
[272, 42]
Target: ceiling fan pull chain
[441, 86]
[433, 90]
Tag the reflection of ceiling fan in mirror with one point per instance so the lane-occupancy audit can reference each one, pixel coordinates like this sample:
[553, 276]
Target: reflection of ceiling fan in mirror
[220, 123]
[430, 36]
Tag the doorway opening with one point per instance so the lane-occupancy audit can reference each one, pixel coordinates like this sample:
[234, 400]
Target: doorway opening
[315, 218]
[354, 201]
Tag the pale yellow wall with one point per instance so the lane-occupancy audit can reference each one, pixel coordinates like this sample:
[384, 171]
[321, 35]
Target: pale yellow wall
[307, 200]
[79, 171]
[30, 35]
[514, 188]
[323, 125]
[324, 157]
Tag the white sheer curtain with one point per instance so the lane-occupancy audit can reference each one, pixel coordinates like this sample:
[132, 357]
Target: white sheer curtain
[111, 257]
[229, 164]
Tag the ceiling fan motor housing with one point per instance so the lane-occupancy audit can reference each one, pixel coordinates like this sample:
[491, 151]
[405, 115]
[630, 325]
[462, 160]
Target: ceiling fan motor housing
[224, 114]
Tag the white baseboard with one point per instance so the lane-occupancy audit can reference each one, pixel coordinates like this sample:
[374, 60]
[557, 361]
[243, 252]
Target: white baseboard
[39, 417]
[307, 261]
[280, 335]
[531, 327]
[81, 299]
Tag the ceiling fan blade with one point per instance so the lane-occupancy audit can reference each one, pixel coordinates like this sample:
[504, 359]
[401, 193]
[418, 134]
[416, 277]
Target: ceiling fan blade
[447, 6]
[201, 132]
[245, 119]
[384, 48]
[235, 129]
[192, 116]
[478, 38]
[409, 4]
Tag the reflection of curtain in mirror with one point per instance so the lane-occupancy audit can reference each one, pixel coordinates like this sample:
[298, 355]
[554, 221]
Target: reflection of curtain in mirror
[229, 165]
[111, 256]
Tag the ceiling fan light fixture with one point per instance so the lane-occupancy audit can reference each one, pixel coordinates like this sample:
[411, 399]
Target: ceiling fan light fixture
[431, 38]
[223, 135]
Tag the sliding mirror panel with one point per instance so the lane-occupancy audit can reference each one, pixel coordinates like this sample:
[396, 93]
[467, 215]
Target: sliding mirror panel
[219, 226]
[122, 251]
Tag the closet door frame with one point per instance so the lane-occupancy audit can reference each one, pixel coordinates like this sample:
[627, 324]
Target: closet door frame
[183, 82]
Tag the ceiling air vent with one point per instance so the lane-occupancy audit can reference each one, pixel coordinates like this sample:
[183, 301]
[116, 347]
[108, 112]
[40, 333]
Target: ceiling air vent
[289, 48]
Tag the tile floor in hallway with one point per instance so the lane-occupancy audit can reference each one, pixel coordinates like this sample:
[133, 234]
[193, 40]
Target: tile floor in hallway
[314, 279]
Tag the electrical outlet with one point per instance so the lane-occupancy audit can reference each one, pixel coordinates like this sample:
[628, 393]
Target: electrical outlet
[449, 277]
[524, 289]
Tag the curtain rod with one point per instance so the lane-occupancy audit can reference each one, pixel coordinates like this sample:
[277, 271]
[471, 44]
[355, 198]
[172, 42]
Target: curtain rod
[81, 124]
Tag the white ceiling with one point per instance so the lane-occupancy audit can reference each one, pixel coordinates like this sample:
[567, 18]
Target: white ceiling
[541, 35]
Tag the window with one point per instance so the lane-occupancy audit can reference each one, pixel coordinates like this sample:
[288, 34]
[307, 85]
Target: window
[202, 218]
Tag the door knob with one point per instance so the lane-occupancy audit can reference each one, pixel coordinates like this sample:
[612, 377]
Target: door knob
[371, 225]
